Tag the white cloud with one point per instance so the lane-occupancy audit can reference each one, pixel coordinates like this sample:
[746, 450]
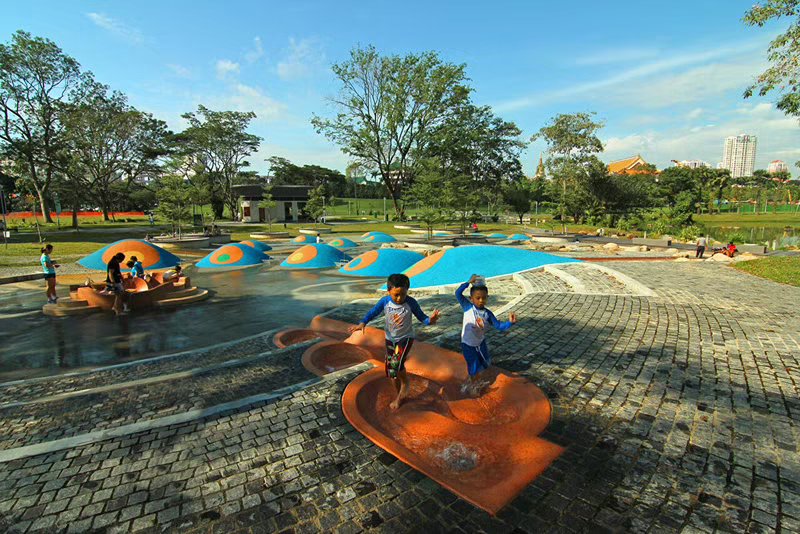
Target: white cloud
[624, 88]
[695, 113]
[248, 98]
[617, 55]
[226, 67]
[117, 28]
[301, 59]
[777, 137]
[256, 53]
[179, 70]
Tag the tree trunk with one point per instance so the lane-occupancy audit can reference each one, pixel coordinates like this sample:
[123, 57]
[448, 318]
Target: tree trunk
[105, 211]
[521, 215]
[75, 213]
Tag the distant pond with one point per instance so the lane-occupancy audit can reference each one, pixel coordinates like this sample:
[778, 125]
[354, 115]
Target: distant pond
[753, 234]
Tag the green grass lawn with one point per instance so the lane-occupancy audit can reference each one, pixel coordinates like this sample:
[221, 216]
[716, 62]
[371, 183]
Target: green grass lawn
[778, 220]
[785, 270]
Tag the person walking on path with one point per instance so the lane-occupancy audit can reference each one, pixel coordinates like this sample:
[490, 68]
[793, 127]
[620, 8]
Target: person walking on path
[701, 247]
[49, 269]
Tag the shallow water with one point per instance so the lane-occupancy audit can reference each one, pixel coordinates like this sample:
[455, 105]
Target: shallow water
[243, 303]
[752, 234]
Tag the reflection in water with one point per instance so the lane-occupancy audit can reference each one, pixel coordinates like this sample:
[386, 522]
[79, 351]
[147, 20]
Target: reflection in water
[243, 303]
[753, 234]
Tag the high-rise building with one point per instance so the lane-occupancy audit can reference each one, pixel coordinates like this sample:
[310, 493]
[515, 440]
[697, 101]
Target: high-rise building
[777, 166]
[739, 155]
[692, 163]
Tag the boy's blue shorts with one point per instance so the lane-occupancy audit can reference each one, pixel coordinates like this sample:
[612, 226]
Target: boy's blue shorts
[477, 358]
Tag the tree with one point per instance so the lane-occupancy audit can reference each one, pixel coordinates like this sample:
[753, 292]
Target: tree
[174, 199]
[316, 203]
[110, 143]
[36, 77]
[285, 172]
[388, 108]
[268, 203]
[427, 192]
[783, 53]
[217, 144]
[518, 197]
[571, 139]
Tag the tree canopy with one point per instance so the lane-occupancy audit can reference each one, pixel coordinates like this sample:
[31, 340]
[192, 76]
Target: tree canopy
[388, 108]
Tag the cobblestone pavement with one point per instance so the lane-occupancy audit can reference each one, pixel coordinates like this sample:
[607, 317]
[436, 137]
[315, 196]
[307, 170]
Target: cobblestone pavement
[679, 412]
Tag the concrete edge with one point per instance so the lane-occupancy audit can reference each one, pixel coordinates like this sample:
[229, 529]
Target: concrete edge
[143, 426]
[144, 361]
[572, 281]
[176, 419]
[196, 371]
[641, 289]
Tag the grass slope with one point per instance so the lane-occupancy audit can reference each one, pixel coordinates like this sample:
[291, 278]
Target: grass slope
[784, 269]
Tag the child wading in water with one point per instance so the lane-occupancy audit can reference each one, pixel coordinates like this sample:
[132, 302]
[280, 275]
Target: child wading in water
[398, 307]
[473, 326]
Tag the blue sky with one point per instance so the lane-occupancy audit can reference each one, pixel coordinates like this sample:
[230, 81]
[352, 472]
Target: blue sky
[666, 77]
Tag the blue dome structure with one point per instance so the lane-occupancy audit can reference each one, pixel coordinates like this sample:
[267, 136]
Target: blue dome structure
[305, 239]
[381, 262]
[232, 256]
[519, 237]
[454, 266]
[377, 237]
[342, 243]
[258, 245]
[497, 236]
[152, 256]
[316, 256]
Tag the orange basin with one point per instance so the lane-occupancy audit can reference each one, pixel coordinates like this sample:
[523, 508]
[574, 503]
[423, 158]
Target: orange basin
[482, 445]
[330, 356]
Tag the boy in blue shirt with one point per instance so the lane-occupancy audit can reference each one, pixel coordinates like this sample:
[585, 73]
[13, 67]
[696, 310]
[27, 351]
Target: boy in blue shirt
[476, 318]
[137, 269]
[398, 308]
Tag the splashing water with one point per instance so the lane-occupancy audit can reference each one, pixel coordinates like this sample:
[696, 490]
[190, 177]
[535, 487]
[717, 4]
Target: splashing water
[457, 457]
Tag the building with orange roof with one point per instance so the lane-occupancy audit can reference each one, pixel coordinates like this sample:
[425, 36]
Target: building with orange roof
[633, 165]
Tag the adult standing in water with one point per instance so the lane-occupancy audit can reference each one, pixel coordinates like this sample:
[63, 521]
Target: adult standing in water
[114, 283]
[49, 269]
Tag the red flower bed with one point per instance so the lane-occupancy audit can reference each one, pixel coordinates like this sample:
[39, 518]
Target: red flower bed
[86, 214]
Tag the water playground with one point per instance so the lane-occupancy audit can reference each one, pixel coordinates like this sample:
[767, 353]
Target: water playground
[241, 290]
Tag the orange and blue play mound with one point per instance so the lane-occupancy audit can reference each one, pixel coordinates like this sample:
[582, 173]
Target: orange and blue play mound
[342, 242]
[377, 237]
[454, 266]
[305, 239]
[316, 256]
[152, 256]
[381, 262]
[232, 256]
[258, 245]
[519, 237]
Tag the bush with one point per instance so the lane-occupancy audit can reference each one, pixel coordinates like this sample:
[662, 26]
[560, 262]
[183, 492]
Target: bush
[689, 233]
[736, 237]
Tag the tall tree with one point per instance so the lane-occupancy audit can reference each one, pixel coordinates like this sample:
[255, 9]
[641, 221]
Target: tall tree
[111, 143]
[36, 77]
[387, 109]
[217, 144]
[571, 140]
[174, 196]
[783, 74]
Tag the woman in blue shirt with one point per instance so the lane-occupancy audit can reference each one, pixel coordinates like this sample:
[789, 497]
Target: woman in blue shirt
[49, 269]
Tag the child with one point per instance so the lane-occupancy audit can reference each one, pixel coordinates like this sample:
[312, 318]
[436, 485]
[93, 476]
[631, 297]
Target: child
[49, 269]
[476, 318]
[398, 307]
[137, 269]
[172, 275]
